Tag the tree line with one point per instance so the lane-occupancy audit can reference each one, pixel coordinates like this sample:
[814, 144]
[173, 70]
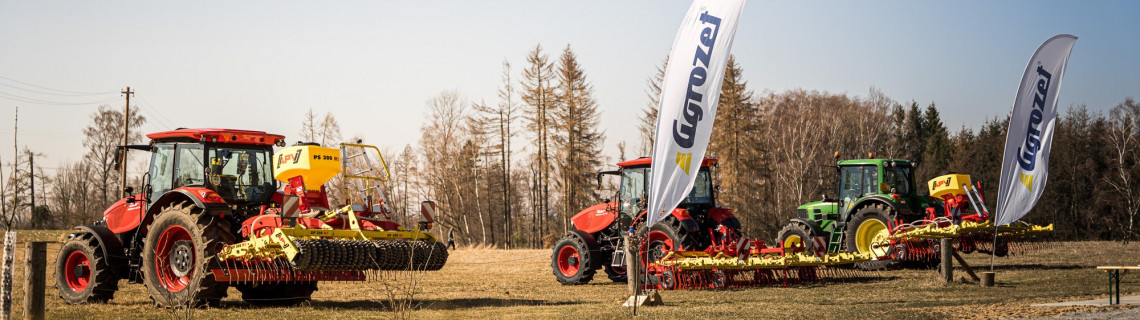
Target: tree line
[511, 170]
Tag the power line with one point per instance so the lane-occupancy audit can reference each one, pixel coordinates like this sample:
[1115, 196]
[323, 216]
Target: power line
[50, 93]
[57, 90]
[150, 106]
[9, 96]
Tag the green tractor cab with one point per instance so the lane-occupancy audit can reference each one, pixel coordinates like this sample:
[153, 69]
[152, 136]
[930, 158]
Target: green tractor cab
[873, 194]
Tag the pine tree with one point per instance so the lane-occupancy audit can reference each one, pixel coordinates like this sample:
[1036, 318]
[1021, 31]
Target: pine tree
[578, 139]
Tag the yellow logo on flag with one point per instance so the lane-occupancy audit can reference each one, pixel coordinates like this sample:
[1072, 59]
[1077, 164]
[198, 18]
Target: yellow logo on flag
[684, 160]
[1027, 180]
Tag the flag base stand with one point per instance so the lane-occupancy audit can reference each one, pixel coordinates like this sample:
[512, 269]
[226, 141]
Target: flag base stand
[987, 279]
[645, 300]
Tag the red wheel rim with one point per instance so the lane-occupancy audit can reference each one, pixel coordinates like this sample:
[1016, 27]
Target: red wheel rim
[77, 271]
[167, 275]
[655, 240]
[565, 266]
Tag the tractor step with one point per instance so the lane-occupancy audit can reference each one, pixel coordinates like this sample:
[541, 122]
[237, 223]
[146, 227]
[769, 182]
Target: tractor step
[618, 258]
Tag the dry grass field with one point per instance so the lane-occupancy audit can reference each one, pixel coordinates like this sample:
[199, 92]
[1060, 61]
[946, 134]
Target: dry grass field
[482, 283]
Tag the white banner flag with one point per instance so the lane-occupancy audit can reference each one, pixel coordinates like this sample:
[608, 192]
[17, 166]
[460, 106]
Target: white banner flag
[689, 96]
[1025, 167]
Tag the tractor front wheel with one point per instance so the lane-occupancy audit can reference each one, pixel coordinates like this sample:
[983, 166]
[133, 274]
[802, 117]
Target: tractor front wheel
[178, 246]
[616, 274]
[82, 272]
[796, 235]
[571, 261]
[867, 233]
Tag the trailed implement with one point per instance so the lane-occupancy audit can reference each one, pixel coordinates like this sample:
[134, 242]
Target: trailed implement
[747, 263]
[303, 241]
[962, 216]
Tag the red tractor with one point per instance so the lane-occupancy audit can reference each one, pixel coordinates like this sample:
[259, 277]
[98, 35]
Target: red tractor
[211, 216]
[595, 240]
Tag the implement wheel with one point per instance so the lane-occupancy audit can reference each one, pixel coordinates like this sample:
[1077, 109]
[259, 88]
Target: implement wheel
[178, 246]
[867, 233]
[82, 273]
[571, 261]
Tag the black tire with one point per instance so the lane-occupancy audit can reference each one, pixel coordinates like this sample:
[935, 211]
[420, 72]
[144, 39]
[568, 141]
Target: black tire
[657, 248]
[277, 294]
[101, 281]
[616, 275]
[871, 214]
[572, 261]
[207, 235]
[799, 230]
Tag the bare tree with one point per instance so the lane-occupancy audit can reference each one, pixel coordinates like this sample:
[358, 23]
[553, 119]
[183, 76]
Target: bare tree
[538, 94]
[100, 138]
[1123, 138]
[648, 125]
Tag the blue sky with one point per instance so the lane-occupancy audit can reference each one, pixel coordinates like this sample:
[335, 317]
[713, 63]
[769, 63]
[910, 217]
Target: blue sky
[261, 65]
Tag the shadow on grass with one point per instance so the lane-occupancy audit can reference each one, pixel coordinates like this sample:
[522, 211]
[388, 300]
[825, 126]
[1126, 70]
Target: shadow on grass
[428, 304]
[1032, 267]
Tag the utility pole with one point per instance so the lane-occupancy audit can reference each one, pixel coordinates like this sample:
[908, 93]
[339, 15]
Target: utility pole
[32, 176]
[126, 126]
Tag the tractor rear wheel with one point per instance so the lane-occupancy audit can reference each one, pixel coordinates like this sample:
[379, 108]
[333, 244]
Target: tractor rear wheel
[868, 233]
[277, 294]
[178, 246]
[572, 261]
[796, 235]
[665, 236]
[82, 272]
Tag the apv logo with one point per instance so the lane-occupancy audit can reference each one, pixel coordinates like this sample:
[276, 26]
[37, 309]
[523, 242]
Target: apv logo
[282, 159]
[939, 184]
[684, 133]
[1027, 153]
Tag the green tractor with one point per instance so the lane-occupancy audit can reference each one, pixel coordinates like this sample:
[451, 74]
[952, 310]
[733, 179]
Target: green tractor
[873, 195]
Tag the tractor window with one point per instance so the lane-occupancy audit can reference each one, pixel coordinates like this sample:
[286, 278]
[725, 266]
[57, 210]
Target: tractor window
[898, 178]
[189, 171]
[870, 180]
[632, 191]
[239, 175]
[850, 185]
[702, 189]
[161, 170]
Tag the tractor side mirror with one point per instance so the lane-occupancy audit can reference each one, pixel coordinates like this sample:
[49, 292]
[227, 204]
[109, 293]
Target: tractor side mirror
[119, 153]
[129, 194]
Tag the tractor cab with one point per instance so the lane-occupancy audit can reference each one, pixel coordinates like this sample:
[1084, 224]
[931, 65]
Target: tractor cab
[635, 180]
[211, 168]
[234, 164]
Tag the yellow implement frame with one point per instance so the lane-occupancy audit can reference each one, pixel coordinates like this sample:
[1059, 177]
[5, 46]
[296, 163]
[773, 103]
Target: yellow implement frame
[280, 242]
[933, 231]
[699, 260]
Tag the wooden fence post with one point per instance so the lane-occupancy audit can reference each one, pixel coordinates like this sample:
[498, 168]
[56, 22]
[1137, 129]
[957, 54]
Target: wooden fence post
[6, 275]
[947, 250]
[34, 279]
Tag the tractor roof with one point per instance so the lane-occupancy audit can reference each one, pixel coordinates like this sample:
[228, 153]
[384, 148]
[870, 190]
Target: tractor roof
[645, 161]
[217, 135]
[877, 162]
